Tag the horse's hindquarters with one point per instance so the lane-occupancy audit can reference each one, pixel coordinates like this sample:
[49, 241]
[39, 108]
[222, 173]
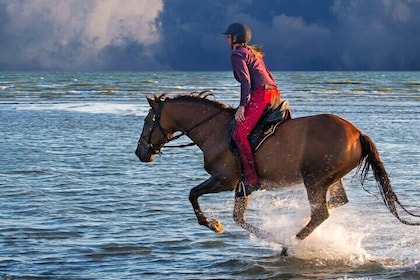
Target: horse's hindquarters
[319, 148]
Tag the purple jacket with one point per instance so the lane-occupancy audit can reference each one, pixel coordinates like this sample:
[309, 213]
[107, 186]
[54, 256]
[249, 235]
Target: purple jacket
[250, 71]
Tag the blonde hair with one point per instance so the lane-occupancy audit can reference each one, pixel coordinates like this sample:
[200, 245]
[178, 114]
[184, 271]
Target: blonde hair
[256, 50]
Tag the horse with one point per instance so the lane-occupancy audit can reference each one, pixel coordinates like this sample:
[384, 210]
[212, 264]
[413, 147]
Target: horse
[317, 151]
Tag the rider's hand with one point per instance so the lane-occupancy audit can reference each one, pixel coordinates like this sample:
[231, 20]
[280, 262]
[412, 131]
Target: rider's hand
[240, 114]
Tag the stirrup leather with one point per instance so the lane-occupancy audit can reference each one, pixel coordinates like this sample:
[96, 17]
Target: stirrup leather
[243, 190]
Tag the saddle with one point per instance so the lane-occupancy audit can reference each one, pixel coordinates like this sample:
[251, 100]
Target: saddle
[265, 127]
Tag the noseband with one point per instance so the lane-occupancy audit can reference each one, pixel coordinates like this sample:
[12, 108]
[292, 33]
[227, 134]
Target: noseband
[156, 123]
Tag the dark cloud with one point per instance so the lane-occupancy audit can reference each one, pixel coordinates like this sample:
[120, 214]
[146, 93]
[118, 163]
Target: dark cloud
[79, 35]
[186, 34]
[378, 35]
[298, 35]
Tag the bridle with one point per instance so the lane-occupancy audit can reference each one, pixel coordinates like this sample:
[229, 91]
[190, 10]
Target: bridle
[156, 124]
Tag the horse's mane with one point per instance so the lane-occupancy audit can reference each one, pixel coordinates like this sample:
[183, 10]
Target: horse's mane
[196, 97]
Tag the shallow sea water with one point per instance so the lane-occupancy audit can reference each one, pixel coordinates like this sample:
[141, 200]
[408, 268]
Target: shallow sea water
[76, 203]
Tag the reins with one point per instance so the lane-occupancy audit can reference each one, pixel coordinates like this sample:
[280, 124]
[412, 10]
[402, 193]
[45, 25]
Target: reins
[165, 132]
[188, 131]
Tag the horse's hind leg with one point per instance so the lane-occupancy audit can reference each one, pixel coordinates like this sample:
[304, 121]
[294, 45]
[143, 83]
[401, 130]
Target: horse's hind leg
[338, 195]
[319, 212]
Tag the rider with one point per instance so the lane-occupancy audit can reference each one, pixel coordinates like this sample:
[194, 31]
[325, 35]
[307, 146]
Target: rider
[258, 91]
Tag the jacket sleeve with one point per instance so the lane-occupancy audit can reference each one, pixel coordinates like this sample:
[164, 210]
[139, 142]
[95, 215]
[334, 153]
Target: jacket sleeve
[241, 73]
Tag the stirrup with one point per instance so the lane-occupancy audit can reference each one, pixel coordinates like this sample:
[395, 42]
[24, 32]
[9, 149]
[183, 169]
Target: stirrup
[243, 190]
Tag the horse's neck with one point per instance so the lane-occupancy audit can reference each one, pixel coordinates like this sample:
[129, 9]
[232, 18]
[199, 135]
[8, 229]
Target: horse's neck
[212, 126]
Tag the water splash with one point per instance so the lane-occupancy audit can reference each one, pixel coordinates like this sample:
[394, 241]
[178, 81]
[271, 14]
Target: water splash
[334, 240]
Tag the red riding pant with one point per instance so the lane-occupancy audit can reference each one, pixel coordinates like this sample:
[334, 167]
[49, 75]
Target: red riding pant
[257, 104]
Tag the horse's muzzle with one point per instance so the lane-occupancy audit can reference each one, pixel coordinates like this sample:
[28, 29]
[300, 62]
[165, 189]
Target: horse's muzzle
[144, 154]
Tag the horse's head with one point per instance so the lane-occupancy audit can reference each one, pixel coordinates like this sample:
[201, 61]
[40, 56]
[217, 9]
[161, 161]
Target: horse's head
[154, 135]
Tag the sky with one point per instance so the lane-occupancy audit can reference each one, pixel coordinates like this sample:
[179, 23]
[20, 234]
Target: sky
[185, 35]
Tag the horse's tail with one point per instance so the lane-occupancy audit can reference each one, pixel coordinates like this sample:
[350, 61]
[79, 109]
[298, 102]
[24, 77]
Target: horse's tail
[370, 156]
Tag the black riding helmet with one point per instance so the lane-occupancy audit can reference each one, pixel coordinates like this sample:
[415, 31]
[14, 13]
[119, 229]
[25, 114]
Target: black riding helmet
[240, 33]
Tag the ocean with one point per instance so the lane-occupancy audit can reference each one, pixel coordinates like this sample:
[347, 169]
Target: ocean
[76, 203]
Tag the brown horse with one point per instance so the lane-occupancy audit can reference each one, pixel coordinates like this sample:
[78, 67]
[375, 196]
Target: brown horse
[316, 150]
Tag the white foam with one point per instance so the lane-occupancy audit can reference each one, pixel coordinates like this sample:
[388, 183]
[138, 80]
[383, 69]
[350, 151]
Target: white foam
[334, 240]
[94, 107]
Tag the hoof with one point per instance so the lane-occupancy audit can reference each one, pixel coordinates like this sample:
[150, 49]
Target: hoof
[301, 235]
[284, 252]
[216, 226]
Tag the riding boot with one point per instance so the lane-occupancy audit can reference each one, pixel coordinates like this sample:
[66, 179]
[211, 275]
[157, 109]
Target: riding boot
[243, 190]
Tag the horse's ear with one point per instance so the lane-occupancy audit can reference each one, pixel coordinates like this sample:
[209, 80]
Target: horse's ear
[152, 102]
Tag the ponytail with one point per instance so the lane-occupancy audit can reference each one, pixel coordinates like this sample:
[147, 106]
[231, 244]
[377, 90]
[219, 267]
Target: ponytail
[256, 50]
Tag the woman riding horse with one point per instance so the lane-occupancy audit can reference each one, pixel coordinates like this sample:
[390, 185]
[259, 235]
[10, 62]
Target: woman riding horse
[317, 151]
[258, 91]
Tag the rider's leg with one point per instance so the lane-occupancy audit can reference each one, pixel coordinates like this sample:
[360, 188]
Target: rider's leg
[253, 112]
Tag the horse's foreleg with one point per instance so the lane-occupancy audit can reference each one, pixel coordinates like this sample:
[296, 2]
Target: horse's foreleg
[209, 186]
[241, 204]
